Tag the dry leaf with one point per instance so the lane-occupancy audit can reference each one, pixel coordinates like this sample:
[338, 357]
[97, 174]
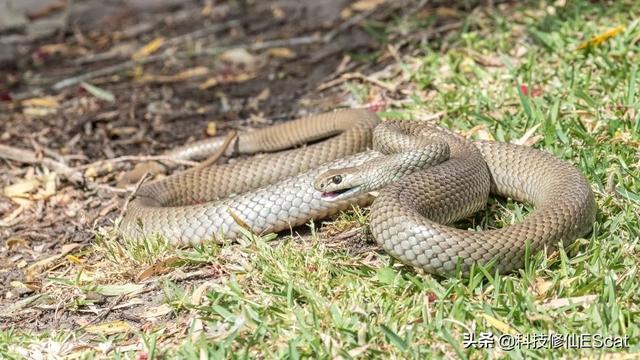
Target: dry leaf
[161, 267]
[50, 182]
[264, 95]
[197, 325]
[364, 5]
[209, 83]
[191, 73]
[602, 37]
[24, 288]
[242, 77]
[228, 79]
[356, 352]
[208, 9]
[346, 13]
[46, 102]
[91, 173]
[238, 56]
[488, 60]
[18, 285]
[445, 12]
[14, 242]
[21, 189]
[282, 52]
[98, 92]
[277, 12]
[41, 265]
[541, 287]
[181, 76]
[499, 325]
[13, 308]
[148, 49]
[519, 51]
[38, 111]
[24, 203]
[31, 189]
[238, 220]
[212, 128]
[156, 311]
[562, 302]
[257, 119]
[526, 139]
[118, 289]
[7, 220]
[74, 260]
[466, 65]
[198, 294]
[109, 328]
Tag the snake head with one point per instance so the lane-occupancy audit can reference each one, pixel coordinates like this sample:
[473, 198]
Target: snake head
[339, 184]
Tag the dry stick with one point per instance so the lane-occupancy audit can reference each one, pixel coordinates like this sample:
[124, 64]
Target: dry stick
[347, 24]
[75, 174]
[26, 156]
[104, 313]
[201, 32]
[302, 40]
[137, 158]
[46, 151]
[72, 174]
[131, 196]
[349, 76]
[108, 55]
[356, 75]
[66, 16]
[215, 156]
[431, 32]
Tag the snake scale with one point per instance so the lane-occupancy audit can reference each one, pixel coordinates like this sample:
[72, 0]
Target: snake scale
[428, 178]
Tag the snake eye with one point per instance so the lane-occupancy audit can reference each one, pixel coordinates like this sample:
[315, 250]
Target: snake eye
[336, 179]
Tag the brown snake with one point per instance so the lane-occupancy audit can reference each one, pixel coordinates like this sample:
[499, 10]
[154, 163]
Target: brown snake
[428, 178]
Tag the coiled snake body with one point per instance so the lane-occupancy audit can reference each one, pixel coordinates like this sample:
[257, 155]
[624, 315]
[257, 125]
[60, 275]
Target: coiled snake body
[428, 178]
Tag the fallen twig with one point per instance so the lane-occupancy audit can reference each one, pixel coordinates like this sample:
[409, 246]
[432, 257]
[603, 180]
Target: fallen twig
[128, 158]
[347, 24]
[108, 55]
[28, 157]
[221, 151]
[200, 33]
[73, 175]
[104, 314]
[429, 33]
[359, 76]
[110, 70]
[131, 196]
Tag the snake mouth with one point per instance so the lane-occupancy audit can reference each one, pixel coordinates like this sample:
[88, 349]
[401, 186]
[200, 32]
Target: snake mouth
[340, 194]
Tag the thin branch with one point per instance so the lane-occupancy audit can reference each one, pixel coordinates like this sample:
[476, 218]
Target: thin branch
[201, 32]
[131, 196]
[110, 70]
[359, 76]
[29, 157]
[221, 151]
[347, 24]
[143, 158]
[73, 175]
[108, 55]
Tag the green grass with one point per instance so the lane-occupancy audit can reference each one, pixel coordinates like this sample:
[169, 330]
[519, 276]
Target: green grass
[303, 298]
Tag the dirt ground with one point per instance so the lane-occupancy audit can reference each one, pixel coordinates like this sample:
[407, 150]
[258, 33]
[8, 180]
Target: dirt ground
[176, 92]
